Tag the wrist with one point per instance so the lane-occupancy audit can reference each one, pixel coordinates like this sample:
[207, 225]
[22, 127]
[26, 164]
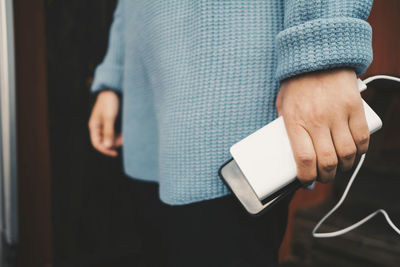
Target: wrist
[319, 74]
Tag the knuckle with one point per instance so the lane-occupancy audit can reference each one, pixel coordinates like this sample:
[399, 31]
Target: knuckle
[348, 154]
[306, 159]
[348, 104]
[352, 102]
[363, 139]
[329, 164]
[317, 115]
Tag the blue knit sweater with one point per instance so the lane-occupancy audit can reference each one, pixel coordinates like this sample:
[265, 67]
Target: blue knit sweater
[196, 76]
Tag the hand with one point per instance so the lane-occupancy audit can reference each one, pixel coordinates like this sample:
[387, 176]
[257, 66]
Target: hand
[325, 121]
[101, 123]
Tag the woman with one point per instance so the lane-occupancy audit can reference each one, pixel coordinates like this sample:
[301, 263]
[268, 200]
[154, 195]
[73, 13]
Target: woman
[194, 78]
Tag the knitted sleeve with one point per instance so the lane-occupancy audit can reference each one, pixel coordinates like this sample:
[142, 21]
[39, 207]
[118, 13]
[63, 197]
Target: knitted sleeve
[108, 74]
[322, 34]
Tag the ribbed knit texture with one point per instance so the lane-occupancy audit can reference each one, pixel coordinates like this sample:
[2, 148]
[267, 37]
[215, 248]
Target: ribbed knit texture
[198, 76]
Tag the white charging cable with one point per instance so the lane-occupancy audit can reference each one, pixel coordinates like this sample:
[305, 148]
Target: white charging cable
[381, 77]
[346, 191]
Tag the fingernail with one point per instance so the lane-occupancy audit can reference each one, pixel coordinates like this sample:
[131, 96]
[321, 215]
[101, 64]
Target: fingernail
[107, 142]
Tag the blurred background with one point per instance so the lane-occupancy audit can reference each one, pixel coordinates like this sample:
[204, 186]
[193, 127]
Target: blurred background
[64, 204]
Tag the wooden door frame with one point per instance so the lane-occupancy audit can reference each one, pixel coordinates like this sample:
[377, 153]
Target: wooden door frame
[34, 181]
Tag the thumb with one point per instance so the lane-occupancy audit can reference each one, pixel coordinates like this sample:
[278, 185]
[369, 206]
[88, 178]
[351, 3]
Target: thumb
[278, 103]
[118, 140]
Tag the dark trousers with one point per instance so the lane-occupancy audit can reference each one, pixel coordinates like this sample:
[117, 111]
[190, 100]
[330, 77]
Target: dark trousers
[216, 232]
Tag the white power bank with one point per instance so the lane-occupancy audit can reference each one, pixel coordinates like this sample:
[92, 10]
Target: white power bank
[263, 168]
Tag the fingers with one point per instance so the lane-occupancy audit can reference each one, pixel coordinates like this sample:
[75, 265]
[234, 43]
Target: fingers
[95, 132]
[359, 130]
[303, 151]
[98, 129]
[344, 144]
[326, 154]
[318, 150]
[101, 123]
[108, 132]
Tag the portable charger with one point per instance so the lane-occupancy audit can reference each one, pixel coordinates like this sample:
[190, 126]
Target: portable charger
[263, 165]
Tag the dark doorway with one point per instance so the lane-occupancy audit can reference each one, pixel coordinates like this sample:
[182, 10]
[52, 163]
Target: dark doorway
[93, 213]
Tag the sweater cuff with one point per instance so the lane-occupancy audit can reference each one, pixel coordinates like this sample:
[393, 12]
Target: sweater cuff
[323, 44]
[107, 77]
